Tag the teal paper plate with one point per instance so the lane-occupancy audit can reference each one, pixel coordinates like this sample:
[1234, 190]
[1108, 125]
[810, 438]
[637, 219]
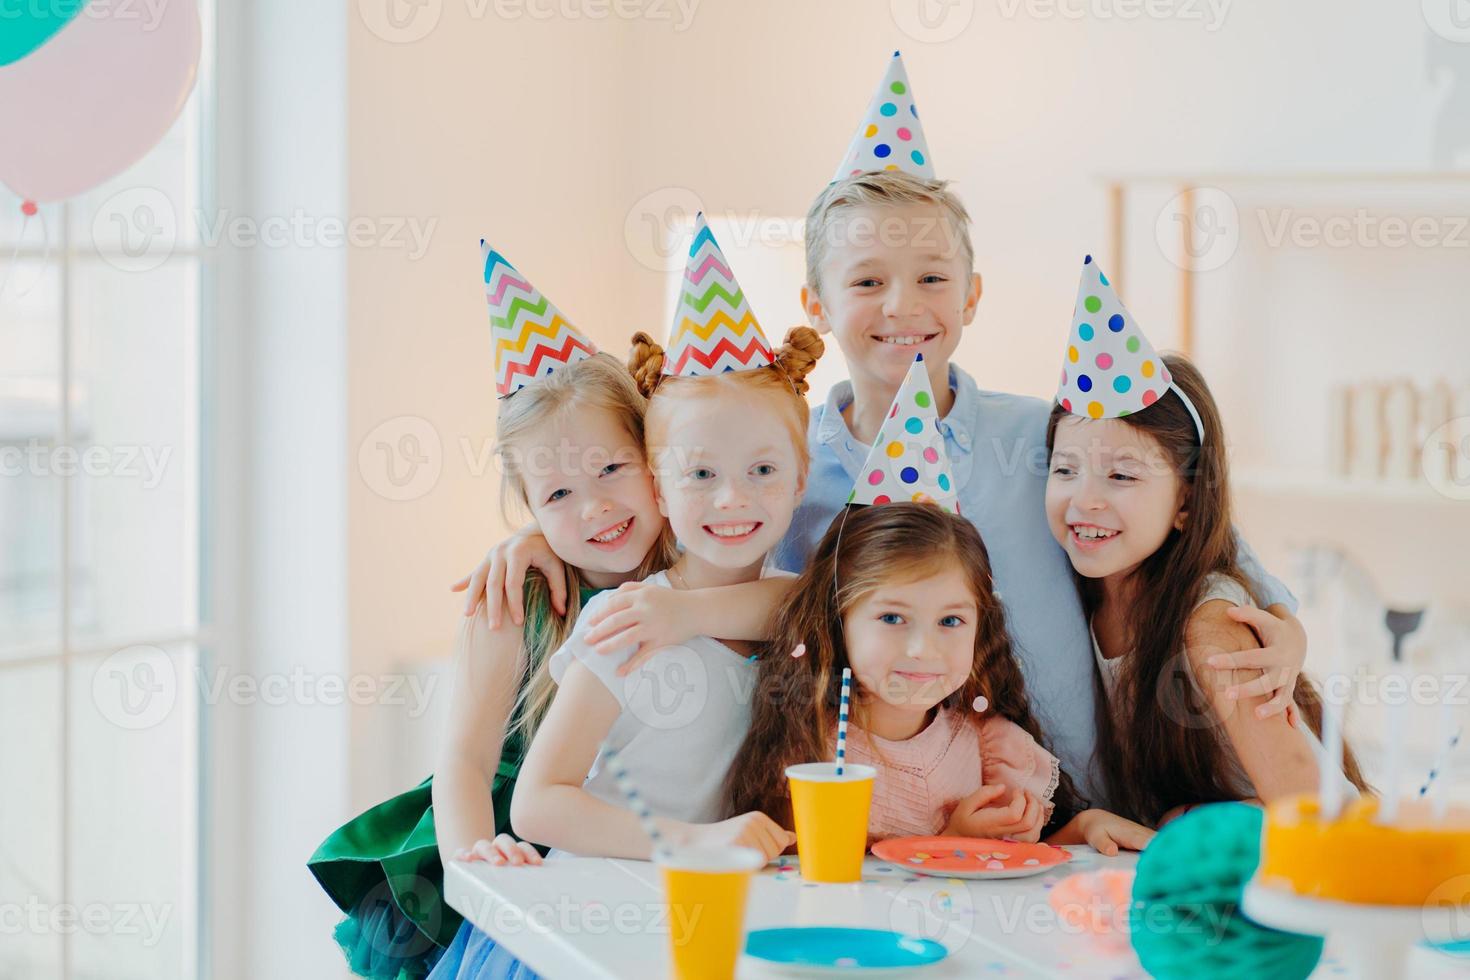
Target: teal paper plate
[827, 951]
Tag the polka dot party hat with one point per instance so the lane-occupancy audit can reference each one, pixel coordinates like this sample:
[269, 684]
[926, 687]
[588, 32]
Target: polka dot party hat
[532, 338]
[714, 330]
[891, 136]
[1110, 369]
[908, 461]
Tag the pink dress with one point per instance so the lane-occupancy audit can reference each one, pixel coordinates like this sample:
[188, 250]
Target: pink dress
[922, 778]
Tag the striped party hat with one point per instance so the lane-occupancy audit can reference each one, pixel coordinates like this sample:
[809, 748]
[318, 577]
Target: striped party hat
[532, 338]
[908, 461]
[714, 330]
[1111, 370]
[891, 136]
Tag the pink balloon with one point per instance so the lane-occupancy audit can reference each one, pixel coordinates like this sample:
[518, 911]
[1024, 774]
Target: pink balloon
[92, 102]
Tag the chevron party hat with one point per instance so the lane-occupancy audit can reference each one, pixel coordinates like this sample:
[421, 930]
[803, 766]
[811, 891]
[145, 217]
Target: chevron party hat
[891, 136]
[532, 338]
[1111, 370]
[714, 330]
[908, 461]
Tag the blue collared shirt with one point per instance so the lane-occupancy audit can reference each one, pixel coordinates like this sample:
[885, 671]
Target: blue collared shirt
[997, 448]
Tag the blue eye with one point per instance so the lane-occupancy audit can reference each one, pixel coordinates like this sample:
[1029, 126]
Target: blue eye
[703, 473]
[866, 282]
[1124, 478]
[934, 278]
[611, 468]
[891, 619]
[951, 621]
[557, 495]
[765, 469]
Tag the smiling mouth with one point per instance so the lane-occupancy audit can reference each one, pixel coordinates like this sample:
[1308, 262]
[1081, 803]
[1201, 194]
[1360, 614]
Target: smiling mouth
[1089, 537]
[919, 678]
[611, 537]
[906, 340]
[733, 533]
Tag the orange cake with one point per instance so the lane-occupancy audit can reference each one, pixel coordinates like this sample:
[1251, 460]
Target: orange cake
[1354, 859]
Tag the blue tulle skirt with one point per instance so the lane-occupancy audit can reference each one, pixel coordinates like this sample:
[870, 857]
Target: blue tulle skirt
[475, 956]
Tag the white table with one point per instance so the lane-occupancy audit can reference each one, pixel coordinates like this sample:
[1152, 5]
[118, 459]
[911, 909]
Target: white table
[600, 918]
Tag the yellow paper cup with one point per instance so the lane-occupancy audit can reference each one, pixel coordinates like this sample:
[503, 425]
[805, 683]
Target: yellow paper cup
[831, 814]
[706, 888]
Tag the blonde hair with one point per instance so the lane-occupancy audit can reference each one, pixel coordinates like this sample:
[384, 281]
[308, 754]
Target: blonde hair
[596, 383]
[883, 188]
[785, 381]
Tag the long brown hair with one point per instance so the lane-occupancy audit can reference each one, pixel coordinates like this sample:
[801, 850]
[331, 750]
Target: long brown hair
[794, 711]
[1157, 745]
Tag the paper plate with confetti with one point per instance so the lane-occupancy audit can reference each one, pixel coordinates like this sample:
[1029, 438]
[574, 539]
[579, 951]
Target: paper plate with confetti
[970, 857]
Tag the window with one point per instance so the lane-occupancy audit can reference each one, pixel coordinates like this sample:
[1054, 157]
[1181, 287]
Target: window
[100, 572]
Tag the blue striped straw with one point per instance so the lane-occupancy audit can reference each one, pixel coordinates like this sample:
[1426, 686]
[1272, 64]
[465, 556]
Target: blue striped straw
[635, 800]
[1439, 762]
[842, 718]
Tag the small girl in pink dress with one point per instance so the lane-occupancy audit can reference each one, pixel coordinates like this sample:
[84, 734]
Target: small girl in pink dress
[902, 594]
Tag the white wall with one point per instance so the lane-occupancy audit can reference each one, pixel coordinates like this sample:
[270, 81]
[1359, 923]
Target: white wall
[552, 137]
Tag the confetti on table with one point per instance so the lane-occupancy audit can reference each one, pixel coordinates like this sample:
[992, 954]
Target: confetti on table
[994, 866]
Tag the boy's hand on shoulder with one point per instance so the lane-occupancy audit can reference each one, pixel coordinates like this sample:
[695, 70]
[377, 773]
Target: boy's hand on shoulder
[500, 579]
[978, 815]
[754, 830]
[1280, 658]
[636, 614]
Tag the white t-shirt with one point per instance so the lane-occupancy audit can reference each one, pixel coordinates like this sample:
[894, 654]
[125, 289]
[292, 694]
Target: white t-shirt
[685, 712]
[1218, 586]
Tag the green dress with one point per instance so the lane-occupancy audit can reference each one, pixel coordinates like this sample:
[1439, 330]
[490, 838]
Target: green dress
[382, 869]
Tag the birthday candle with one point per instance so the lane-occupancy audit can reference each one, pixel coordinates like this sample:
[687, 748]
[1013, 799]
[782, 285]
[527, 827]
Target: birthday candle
[842, 718]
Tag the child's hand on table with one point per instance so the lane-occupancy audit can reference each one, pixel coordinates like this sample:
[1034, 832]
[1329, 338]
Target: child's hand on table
[504, 849]
[1280, 658]
[500, 579]
[1106, 832]
[975, 816]
[649, 616]
[754, 830]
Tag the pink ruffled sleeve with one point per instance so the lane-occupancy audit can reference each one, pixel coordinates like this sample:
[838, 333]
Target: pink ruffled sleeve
[1012, 758]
